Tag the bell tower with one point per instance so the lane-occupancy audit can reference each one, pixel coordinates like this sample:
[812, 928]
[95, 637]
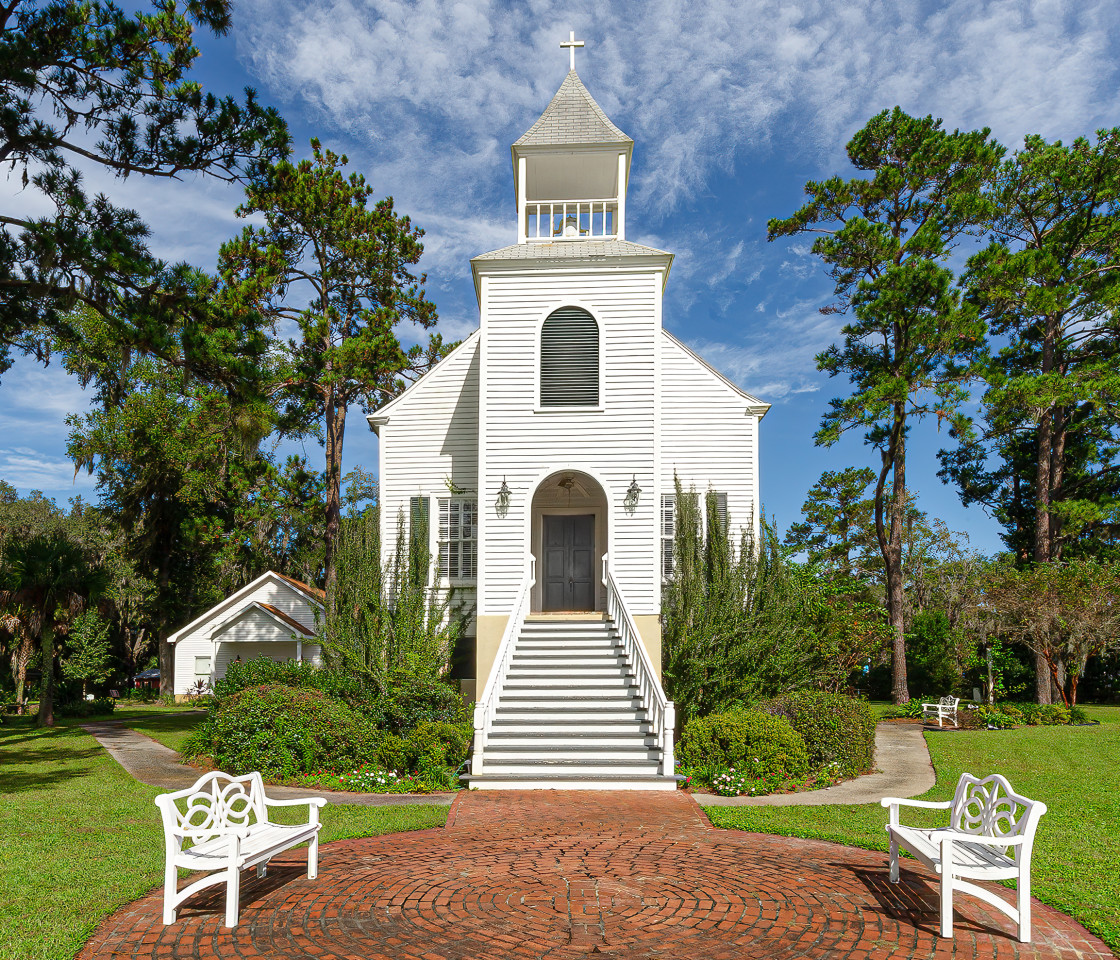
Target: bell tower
[570, 169]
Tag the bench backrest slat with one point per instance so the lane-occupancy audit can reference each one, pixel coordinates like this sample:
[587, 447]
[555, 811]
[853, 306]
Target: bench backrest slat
[216, 802]
[991, 808]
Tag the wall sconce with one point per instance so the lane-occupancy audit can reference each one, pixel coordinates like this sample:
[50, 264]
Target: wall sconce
[502, 503]
[633, 494]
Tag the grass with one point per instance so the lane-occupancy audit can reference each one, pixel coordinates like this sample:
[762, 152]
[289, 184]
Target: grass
[79, 837]
[1074, 770]
[171, 728]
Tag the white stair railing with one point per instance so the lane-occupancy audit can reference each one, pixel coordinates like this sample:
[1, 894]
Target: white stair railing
[487, 704]
[661, 711]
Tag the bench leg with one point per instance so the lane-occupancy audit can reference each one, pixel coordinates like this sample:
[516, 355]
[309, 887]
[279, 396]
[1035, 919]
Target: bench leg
[947, 905]
[313, 858]
[170, 888]
[233, 895]
[894, 860]
[262, 869]
[1023, 894]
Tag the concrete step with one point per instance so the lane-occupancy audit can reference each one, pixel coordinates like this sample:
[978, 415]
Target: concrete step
[574, 671]
[561, 656]
[570, 768]
[581, 682]
[566, 712]
[624, 742]
[544, 752]
[566, 781]
[588, 727]
[567, 699]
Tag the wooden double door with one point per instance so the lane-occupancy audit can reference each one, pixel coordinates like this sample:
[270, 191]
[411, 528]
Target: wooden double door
[568, 582]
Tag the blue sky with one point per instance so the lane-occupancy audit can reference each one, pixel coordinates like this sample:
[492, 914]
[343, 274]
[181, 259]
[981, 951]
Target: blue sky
[733, 106]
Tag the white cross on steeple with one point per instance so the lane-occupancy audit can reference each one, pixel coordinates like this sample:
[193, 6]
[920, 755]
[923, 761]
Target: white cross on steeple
[571, 43]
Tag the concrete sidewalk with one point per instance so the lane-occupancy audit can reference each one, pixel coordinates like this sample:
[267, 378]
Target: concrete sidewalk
[902, 769]
[153, 763]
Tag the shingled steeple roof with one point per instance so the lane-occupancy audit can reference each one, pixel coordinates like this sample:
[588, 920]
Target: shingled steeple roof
[573, 116]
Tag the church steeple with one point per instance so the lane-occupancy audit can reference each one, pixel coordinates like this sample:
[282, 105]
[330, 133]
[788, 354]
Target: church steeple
[570, 169]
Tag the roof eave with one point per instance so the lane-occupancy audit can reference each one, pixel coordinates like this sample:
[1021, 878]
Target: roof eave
[506, 266]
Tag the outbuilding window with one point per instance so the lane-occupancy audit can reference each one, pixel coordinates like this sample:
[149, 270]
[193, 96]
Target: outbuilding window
[570, 359]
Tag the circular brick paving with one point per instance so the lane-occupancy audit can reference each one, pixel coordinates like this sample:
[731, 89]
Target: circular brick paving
[569, 874]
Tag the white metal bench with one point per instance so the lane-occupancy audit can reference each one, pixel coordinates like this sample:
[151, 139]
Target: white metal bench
[220, 826]
[990, 837]
[944, 709]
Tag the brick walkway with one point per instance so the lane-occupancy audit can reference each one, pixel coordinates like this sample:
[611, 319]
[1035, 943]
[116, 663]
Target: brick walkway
[560, 875]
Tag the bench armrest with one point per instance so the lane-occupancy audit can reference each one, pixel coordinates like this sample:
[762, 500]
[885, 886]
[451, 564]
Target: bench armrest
[311, 801]
[927, 804]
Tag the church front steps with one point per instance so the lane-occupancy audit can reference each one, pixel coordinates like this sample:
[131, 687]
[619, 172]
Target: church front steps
[568, 716]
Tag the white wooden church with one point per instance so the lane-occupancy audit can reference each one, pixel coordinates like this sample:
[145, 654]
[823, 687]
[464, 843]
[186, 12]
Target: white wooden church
[543, 451]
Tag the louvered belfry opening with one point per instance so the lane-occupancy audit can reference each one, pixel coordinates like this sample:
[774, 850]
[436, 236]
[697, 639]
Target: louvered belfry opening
[570, 359]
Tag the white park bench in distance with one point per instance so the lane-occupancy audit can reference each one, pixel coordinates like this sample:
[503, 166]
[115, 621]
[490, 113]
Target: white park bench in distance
[220, 826]
[990, 837]
[944, 709]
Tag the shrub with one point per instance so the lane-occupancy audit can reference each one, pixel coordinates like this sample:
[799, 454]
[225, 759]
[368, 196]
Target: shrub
[411, 701]
[836, 729]
[87, 708]
[911, 709]
[429, 744]
[283, 731]
[262, 671]
[768, 744]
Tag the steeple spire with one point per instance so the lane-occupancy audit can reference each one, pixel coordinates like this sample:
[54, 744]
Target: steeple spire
[571, 43]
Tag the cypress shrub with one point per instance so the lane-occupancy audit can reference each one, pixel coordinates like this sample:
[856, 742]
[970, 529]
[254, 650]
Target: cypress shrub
[836, 729]
[762, 744]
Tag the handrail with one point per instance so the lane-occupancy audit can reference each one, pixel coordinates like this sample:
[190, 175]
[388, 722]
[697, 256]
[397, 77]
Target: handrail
[661, 710]
[487, 704]
[581, 215]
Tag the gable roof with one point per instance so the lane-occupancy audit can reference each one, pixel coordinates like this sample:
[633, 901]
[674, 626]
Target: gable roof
[573, 116]
[756, 406]
[300, 585]
[226, 607]
[381, 415]
[269, 610]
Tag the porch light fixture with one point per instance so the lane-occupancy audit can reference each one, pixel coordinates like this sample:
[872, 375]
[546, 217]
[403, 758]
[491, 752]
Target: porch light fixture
[633, 493]
[502, 503]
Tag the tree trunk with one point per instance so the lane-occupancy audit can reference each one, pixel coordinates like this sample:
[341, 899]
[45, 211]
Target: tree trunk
[166, 651]
[890, 546]
[1043, 544]
[335, 416]
[46, 692]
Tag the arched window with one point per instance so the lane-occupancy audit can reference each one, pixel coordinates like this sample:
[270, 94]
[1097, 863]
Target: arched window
[570, 359]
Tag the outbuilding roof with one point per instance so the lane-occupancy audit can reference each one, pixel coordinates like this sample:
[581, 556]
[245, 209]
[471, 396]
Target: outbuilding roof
[573, 116]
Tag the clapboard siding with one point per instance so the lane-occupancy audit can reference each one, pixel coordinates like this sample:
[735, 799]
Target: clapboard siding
[612, 443]
[707, 437]
[431, 437]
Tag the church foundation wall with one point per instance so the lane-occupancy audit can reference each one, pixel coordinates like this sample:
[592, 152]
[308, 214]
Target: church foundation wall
[488, 636]
[649, 629]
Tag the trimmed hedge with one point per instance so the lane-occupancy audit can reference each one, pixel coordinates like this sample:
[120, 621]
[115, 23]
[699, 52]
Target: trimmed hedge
[760, 743]
[836, 729]
[283, 732]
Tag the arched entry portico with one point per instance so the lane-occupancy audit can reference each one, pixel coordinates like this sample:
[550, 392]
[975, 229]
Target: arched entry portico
[568, 537]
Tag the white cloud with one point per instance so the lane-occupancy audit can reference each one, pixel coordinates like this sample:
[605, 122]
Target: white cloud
[776, 361]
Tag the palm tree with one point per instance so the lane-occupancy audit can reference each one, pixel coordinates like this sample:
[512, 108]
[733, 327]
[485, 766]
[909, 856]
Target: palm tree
[51, 578]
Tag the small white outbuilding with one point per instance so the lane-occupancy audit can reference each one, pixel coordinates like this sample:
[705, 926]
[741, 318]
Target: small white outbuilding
[274, 616]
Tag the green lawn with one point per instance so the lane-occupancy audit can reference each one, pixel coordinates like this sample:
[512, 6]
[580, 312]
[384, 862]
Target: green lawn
[79, 837]
[1074, 770]
[169, 728]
